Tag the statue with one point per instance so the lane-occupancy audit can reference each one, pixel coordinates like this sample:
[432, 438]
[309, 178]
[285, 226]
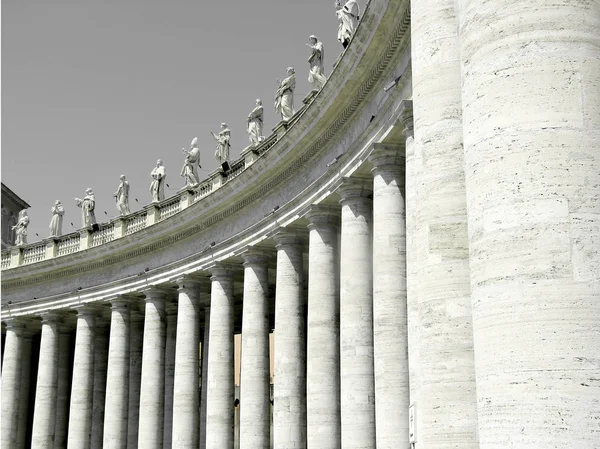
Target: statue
[192, 160]
[122, 196]
[157, 187]
[21, 229]
[222, 152]
[255, 124]
[316, 76]
[284, 97]
[57, 218]
[87, 204]
[348, 15]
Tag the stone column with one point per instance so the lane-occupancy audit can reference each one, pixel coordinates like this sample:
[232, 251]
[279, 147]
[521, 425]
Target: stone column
[44, 415]
[442, 278]
[135, 377]
[117, 377]
[100, 367]
[289, 386]
[531, 106]
[82, 385]
[25, 392]
[204, 377]
[323, 339]
[254, 375]
[170, 347]
[220, 383]
[153, 372]
[63, 388]
[356, 316]
[390, 334]
[186, 395]
[12, 382]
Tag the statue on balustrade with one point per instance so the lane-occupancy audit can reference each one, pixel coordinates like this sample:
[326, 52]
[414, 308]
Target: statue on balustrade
[255, 124]
[348, 16]
[87, 204]
[222, 151]
[21, 229]
[284, 97]
[189, 171]
[122, 196]
[157, 187]
[316, 76]
[57, 218]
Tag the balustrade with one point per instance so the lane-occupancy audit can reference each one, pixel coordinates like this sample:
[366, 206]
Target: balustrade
[34, 254]
[104, 235]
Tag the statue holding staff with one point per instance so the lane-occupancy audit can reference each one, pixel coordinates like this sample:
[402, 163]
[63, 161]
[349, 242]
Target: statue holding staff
[189, 171]
[284, 97]
[87, 204]
[222, 151]
[122, 196]
[316, 76]
[157, 186]
[255, 124]
[57, 218]
[21, 228]
[348, 16]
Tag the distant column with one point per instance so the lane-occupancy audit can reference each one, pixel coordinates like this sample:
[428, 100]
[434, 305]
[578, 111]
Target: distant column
[63, 389]
[170, 346]
[204, 377]
[100, 368]
[135, 377]
[25, 392]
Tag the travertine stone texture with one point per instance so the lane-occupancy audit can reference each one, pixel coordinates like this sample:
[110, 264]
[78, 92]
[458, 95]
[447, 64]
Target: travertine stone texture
[390, 344]
[289, 386]
[170, 348]
[204, 376]
[442, 277]
[153, 372]
[135, 373]
[531, 108]
[25, 394]
[11, 383]
[186, 394]
[323, 333]
[117, 377]
[44, 415]
[220, 388]
[356, 316]
[100, 371]
[63, 388]
[254, 372]
[82, 385]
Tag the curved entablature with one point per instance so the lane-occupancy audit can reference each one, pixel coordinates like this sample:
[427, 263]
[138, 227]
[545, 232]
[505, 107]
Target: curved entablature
[270, 186]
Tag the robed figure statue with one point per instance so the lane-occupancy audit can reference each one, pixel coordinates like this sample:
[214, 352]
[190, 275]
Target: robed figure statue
[284, 97]
[189, 171]
[87, 204]
[157, 186]
[255, 124]
[122, 196]
[21, 229]
[316, 76]
[223, 138]
[348, 16]
[57, 218]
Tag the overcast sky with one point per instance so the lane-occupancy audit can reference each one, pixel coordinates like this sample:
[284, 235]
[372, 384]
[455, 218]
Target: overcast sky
[95, 89]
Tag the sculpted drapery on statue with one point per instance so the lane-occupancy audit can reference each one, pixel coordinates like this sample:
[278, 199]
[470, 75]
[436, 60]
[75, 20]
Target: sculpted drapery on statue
[189, 171]
[122, 196]
[284, 97]
[21, 229]
[222, 151]
[87, 204]
[57, 218]
[348, 15]
[255, 124]
[316, 76]
[157, 186]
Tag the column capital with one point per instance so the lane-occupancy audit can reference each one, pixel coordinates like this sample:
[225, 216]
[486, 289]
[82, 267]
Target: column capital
[92, 310]
[355, 189]
[386, 158]
[288, 237]
[256, 256]
[220, 271]
[51, 317]
[154, 293]
[15, 324]
[191, 284]
[121, 302]
[322, 215]
[406, 118]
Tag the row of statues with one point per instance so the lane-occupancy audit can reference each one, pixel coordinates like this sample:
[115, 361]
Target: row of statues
[348, 17]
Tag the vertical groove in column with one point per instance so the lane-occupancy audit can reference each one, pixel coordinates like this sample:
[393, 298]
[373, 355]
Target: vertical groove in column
[100, 367]
[63, 388]
[12, 382]
[186, 394]
[390, 344]
[531, 106]
[135, 377]
[44, 416]
[117, 377]
[152, 392]
[289, 395]
[26, 392]
[220, 382]
[254, 378]
[82, 385]
[323, 338]
[170, 347]
[356, 316]
[204, 377]
[443, 276]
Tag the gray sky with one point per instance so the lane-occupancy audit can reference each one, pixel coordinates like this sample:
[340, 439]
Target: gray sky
[94, 89]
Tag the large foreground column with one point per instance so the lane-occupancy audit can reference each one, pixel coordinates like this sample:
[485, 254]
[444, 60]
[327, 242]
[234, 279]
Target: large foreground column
[442, 278]
[135, 374]
[220, 383]
[531, 106]
[323, 338]
[390, 337]
[61, 427]
[100, 368]
[289, 388]
[254, 376]
[204, 376]
[170, 349]
[356, 316]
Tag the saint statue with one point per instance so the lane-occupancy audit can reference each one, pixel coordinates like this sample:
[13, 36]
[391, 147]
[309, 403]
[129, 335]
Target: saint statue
[348, 15]
[21, 229]
[222, 151]
[87, 204]
[157, 186]
[57, 218]
[255, 124]
[189, 171]
[122, 196]
[316, 76]
[284, 97]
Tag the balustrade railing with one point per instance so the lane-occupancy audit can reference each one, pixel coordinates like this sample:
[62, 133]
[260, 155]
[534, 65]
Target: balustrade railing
[203, 190]
[68, 244]
[5, 261]
[236, 168]
[34, 254]
[135, 223]
[104, 235]
[169, 208]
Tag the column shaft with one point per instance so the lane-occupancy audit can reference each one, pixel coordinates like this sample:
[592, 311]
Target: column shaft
[11, 383]
[63, 389]
[25, 393]
[135, 378]
[170, 349]
[100, 368]
[204, 377]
